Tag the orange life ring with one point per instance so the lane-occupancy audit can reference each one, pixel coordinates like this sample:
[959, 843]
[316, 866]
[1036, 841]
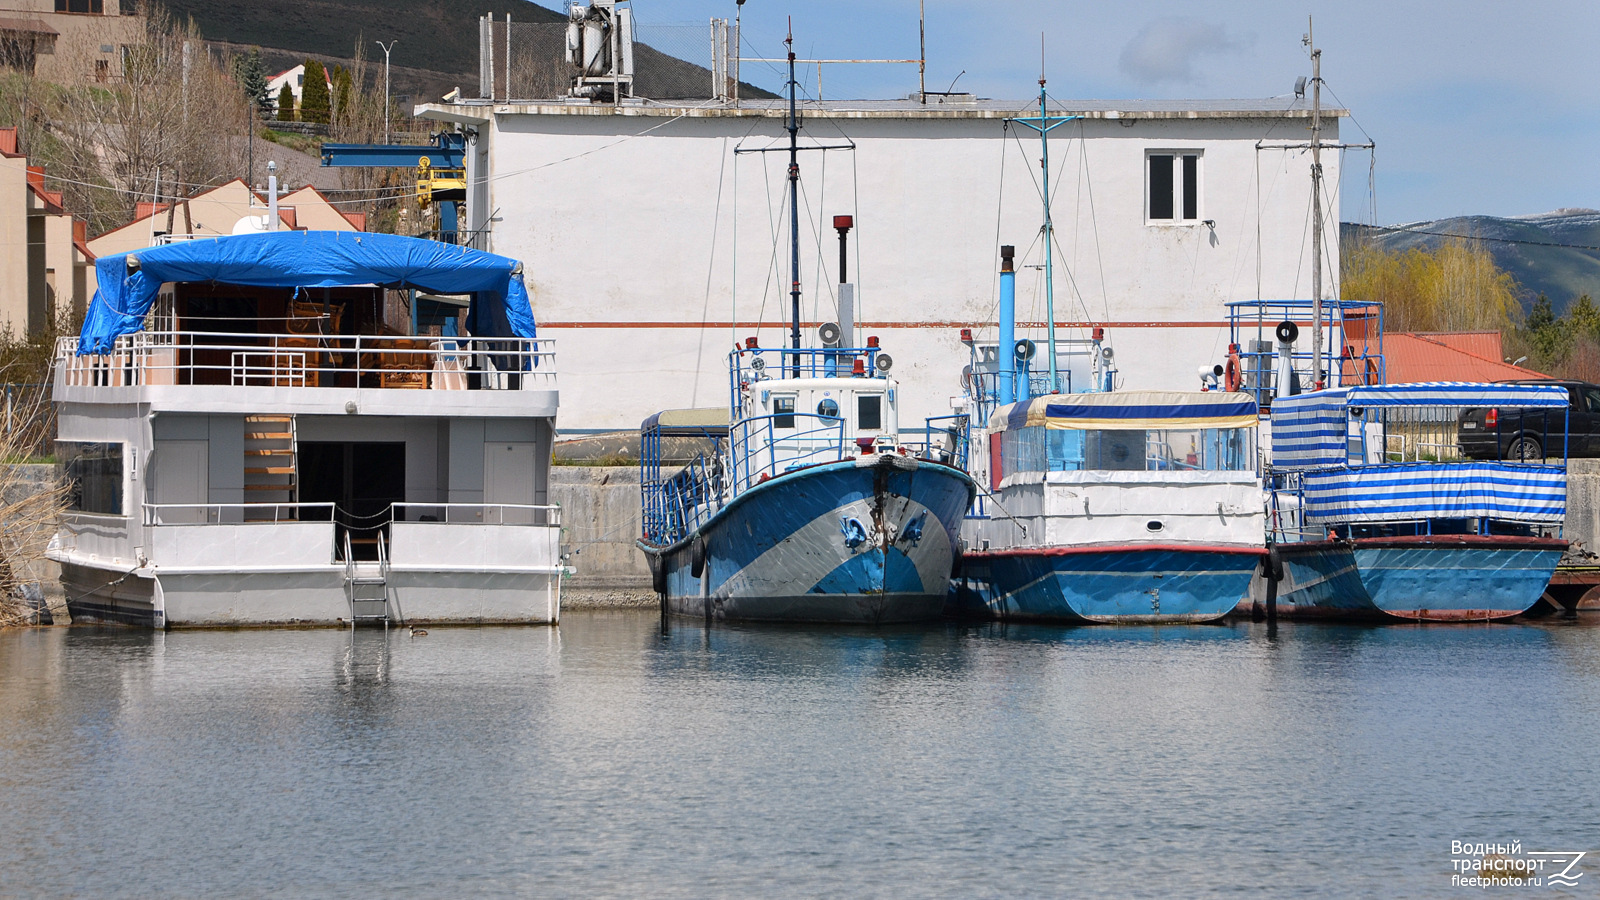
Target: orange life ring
[1231, 376]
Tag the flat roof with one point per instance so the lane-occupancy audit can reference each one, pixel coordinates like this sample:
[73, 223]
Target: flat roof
[478, 111]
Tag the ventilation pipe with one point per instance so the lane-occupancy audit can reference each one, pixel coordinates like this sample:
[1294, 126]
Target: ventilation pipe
[1007, 351]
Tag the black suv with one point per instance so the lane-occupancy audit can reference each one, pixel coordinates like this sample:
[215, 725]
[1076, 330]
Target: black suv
[1531, 434]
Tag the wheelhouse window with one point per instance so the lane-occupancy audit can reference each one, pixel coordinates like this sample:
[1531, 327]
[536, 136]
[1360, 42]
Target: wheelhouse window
[869, 412]
[1040, 449]
[1173, 183]
[94, 476]
[783, 411]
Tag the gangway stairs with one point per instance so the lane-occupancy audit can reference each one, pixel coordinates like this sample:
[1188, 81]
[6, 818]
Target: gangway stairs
[271, 464]
[366, 584]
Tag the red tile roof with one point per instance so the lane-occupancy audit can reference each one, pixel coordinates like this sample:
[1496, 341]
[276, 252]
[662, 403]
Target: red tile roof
[1410, 358]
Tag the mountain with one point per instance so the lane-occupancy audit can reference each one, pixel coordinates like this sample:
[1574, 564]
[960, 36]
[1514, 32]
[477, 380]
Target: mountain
[437, 41]
[1555, 253]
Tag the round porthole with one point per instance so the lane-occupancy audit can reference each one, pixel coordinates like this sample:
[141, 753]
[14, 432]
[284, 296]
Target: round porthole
[1153, 525]
[828, 408]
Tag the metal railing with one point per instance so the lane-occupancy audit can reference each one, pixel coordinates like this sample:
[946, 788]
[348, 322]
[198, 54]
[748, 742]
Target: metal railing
[477, 513]
[948, 440]
[160, 514]
[312, 360]
[760, 449]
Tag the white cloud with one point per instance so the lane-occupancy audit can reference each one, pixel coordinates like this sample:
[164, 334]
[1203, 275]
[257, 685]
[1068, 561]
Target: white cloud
[1168, 49]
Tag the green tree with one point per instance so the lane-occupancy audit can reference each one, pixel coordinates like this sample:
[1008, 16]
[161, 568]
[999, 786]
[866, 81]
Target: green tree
[315, 104]
[1585, 317]
[286, 104]
[252, 75]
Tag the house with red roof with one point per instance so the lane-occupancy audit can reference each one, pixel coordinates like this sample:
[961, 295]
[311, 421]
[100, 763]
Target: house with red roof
[45, 263]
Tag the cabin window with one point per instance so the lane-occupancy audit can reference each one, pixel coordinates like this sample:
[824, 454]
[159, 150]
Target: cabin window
[1173, 187]
[783, 411]
[869, 412]
[828, 409]
[1038, 449]
[94, 476]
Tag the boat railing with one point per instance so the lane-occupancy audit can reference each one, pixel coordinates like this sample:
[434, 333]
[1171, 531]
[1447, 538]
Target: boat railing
[478, 513]
[160, 514]
[312, 360]
[947, 441]
[765, 446]
[751, 363]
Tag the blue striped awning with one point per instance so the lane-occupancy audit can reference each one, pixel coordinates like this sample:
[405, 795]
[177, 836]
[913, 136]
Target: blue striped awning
[1457, 393]
[1404, 492]
[1115, 410]
[1312, 430]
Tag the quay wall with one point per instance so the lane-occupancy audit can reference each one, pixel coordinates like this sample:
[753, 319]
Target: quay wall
[599, 524]
[1583, 505]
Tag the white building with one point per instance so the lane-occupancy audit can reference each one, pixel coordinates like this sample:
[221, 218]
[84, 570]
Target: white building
[651, 246]
[295, 78]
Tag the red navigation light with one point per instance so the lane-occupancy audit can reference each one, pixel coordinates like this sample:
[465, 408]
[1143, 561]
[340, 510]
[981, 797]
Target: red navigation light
[860, 367]
[750, 343]
[872, 340]
[966, 335]
[1099, 333]
[843, 223]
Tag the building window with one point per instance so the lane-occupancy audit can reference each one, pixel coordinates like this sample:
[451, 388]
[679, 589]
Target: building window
[80, 6]
[94, 476]
[1174, 187]
[102, 70]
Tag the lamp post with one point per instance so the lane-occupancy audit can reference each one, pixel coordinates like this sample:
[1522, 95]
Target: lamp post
[386, 85]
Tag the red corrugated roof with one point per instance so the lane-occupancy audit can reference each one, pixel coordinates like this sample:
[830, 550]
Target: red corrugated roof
[1479, 343]
[1411, 358]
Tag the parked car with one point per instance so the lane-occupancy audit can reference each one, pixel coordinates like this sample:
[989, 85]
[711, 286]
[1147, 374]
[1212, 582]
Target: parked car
[1533, 434]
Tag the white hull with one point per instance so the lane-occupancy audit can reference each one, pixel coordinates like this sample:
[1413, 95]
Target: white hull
[156, 599]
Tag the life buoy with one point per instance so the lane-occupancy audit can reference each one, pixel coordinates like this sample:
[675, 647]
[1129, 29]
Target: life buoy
[1232, 375]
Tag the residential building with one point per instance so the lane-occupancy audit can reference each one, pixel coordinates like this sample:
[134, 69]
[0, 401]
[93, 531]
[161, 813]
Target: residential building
[295, 78]
[69, 41]
[219, 211]
[45, 265]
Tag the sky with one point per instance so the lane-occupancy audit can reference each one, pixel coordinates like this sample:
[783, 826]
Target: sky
[1476, 107]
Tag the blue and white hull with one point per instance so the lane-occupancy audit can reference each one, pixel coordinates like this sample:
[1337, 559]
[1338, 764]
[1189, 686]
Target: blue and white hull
[1431, 578]
[867, 541]
[1121, 583]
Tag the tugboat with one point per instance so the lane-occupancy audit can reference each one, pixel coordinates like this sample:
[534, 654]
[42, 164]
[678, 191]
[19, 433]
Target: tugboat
[1375, 514]
[810, 508]
[1134, 507]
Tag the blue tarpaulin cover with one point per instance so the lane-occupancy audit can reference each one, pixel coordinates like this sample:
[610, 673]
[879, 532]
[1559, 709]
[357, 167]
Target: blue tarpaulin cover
[312, 259]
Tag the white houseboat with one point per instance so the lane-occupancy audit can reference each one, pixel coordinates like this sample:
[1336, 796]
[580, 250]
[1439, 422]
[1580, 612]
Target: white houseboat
[249, 442]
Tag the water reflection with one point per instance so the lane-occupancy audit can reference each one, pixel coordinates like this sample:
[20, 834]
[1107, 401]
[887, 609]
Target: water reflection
[605, 758]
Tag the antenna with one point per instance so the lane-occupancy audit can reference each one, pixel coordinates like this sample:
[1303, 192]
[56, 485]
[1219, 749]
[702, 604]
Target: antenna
[1041, 59]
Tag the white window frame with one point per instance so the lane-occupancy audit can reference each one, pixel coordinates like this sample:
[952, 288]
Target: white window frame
[1178, 217]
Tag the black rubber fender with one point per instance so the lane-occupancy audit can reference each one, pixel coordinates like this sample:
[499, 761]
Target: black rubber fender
[1272, 564]
[697, 557]
[658, 572]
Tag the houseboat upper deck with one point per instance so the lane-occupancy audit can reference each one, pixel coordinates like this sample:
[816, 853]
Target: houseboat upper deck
[257, 429]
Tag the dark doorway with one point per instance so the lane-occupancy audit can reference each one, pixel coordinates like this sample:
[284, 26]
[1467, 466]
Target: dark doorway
[364, 480]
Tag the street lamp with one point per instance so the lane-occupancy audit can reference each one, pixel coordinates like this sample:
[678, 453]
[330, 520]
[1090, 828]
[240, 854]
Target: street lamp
[386, 85]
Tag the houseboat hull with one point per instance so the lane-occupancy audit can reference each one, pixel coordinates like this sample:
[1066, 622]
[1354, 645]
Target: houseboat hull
[1110, 584]
[866, 541]
[1427, 578]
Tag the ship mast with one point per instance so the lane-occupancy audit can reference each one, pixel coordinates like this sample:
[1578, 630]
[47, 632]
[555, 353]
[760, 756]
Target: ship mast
[1316, 210]
[1044, 123]
[794, 209]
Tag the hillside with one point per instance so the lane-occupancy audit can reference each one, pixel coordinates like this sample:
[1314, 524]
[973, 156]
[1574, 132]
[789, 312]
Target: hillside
[437, 45]
[1519, 245]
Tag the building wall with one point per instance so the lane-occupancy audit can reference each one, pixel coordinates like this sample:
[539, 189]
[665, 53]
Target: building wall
[84, 41]
[652, 238]
[42, 270]
[14, 244]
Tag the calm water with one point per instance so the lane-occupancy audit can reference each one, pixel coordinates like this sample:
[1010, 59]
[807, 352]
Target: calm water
[604, 759]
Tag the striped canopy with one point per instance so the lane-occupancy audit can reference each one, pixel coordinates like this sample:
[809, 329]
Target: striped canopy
[1312, 430]
[1118, 410]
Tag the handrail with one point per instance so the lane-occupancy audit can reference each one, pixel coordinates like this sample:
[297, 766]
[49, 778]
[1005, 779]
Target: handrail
[214, 513]
[756, 447]
[313, 359]
[552, 513]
